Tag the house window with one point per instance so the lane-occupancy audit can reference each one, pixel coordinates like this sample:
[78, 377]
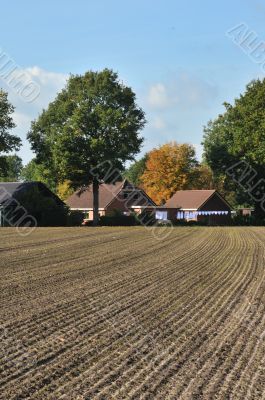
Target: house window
[135, 196]
[125, 195]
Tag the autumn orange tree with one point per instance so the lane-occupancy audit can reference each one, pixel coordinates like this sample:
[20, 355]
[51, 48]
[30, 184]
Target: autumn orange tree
[173, 167]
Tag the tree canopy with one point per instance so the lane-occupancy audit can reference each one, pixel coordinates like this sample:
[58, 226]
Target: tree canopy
[13, 168]
[91, 127]
[8, 142]
[201, 177]
[238, 135]
[168, 168]
[136, 170]
[34, 171]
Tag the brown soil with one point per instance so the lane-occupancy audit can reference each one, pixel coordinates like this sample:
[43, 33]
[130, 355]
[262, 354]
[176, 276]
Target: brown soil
[114, 313]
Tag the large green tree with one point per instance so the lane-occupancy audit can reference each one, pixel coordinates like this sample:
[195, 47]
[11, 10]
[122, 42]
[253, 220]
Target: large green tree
[8, 142]
[89, 131]
[234, 146]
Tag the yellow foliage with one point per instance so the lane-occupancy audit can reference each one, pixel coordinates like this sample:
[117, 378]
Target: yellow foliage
[168, 169]
[64, 190]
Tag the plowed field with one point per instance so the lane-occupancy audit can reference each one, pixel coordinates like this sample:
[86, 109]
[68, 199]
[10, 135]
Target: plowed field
[114, 313]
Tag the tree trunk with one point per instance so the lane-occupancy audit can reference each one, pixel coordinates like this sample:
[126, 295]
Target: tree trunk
[95, 202]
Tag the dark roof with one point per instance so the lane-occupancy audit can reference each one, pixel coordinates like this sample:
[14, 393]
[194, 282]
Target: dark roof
[14, 189]
[83, 198]
[190, 199]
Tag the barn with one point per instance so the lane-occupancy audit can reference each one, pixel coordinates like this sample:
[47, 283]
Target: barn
[200, 205]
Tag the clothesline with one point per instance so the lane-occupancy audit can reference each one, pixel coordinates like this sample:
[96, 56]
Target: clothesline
[194, 214]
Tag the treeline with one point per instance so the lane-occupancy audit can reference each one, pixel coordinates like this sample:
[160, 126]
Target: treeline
[96, 118]
[233, 156]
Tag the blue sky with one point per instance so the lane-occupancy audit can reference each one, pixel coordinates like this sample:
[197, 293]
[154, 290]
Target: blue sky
[174, 54]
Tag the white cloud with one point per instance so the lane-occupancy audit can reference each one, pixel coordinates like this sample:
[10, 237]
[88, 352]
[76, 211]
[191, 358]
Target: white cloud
[158, 96]
[46, 77]
[50, 83]
[182, 91]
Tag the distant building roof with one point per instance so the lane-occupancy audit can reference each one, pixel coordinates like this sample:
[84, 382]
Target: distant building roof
[15, 189]
[191, 199]
[83, 198]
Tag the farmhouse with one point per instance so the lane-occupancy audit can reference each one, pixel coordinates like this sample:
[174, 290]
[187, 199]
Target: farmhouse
[200, 205]
[18, 202]
[122, 196]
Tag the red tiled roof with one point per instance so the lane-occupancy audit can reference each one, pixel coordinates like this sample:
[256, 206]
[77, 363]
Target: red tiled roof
[189, 199]
[84, 198]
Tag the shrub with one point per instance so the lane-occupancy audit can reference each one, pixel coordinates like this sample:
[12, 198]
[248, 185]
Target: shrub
[75, 218]
[183, 222]
[247, 220]
[146, 218]
[54, 216]
[116, 218]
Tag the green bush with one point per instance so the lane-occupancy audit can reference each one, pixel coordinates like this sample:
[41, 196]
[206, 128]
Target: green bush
[116, 218]
[146, 218]
[75, 218]
[183, 222]
[54, 216]
[247, 220]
